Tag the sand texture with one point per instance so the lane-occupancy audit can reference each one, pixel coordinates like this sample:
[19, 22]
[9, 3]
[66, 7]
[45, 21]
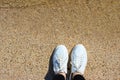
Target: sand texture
[31, 29]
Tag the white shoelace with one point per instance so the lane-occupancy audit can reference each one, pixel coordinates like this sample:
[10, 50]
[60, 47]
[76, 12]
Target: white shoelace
[61, 64]
[79, 60]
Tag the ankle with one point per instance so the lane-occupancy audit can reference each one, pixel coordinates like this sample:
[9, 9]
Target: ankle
[76, 73]
[63, 74]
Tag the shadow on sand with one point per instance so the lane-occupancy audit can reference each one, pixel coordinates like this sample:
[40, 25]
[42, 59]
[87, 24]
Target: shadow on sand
[50, 72]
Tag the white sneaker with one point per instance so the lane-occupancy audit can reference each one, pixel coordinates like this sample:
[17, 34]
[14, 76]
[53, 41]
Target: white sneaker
[78, 59]
[60, 59]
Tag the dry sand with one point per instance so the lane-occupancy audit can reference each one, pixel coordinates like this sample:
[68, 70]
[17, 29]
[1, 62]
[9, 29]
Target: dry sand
[31, 29]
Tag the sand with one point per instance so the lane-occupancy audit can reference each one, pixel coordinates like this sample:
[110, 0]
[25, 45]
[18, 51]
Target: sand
[31, 29]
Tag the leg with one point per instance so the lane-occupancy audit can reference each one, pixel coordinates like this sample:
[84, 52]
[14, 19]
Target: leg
[59, 77]
[78, 77]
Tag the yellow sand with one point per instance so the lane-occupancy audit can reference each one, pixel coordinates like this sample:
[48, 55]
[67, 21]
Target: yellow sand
[31, 29]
